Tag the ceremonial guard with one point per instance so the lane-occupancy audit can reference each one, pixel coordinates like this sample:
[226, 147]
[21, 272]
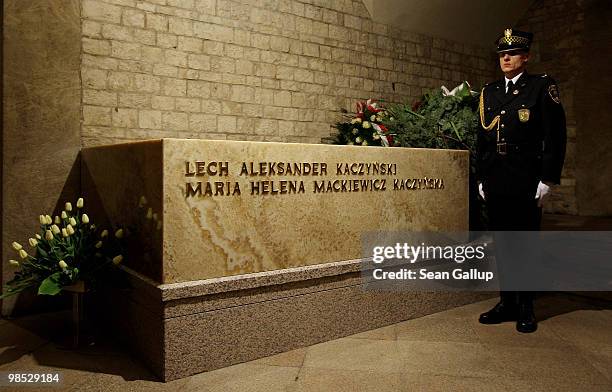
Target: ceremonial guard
[520, 153]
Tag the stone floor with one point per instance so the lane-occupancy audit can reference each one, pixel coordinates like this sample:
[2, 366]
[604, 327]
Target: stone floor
[447, 351]
[571, 222]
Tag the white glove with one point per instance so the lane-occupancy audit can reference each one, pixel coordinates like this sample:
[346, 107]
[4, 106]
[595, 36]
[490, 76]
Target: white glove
[541, 193]
[481, 191]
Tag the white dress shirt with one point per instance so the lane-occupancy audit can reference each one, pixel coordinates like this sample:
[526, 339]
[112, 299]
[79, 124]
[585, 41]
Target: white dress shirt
[514, 79]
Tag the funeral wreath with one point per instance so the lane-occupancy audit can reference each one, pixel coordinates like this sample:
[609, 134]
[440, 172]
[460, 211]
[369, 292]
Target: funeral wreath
[440, 119]
[366, 127]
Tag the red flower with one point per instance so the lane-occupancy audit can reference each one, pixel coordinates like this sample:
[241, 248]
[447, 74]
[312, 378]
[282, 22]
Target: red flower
[382, 127]
[359, 106]
[390, 139]
[373, 109]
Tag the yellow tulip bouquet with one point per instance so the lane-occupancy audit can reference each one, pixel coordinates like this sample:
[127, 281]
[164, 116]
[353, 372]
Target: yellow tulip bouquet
[68, 249]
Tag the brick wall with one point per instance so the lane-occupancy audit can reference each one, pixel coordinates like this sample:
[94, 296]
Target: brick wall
[558, 36]
[592, 99]
[272, 70]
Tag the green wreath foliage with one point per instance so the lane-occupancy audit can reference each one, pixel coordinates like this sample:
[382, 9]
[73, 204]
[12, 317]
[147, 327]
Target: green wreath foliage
[438, 120]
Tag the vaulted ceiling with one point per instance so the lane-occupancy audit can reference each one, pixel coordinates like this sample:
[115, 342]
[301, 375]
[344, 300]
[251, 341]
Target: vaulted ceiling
[465, 21]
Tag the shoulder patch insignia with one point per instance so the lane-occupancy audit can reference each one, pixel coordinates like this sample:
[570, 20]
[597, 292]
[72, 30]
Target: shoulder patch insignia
[554, 93]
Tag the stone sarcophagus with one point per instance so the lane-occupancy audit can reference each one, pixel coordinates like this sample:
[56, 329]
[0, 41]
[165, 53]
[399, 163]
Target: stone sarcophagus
[246, 249]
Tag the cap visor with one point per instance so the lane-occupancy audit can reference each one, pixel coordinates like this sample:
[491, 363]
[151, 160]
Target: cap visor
[513, 50]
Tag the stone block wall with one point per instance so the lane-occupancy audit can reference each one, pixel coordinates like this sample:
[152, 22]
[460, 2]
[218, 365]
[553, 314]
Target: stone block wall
[592, 98]
[271, 70]
[572, 41]
[557, 27]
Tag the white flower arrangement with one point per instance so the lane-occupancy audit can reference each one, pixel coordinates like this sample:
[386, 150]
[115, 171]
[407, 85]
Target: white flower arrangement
[369, 116]
[67, 249]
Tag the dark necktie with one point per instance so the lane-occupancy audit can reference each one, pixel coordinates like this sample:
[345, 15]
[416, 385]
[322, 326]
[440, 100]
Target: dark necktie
[510, 87]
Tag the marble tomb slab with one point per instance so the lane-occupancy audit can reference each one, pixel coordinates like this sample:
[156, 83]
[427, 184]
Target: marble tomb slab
[208, 209]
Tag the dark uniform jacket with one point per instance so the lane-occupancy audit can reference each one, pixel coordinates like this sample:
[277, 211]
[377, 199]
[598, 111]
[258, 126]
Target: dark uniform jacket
[530, 144]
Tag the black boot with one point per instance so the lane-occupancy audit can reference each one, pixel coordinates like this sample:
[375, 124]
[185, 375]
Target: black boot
[526, 322]
[505, 310]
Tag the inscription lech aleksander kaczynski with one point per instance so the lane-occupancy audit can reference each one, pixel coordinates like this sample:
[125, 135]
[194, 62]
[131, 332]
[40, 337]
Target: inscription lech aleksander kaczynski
[350, 177]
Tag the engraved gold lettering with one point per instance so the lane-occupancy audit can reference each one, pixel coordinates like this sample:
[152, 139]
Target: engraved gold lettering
[200, 168]
[219, 188]
[418, 183]
[243, 169]
[216, 188]
[254, 187]
[315, 169]
[282, 187]
[207, 189]
[210, 167]
[191, 191]
[188, 172]
[318, 186]
[203, 168]
[224, 169]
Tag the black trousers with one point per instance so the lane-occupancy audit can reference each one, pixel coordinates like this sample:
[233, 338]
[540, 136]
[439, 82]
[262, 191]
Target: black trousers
[514, 213]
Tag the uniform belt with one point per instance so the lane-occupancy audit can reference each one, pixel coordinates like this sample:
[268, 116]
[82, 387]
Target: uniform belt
[503, 148]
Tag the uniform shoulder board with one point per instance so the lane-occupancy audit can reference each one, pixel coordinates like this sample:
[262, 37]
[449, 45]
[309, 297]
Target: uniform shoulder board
[543, 77]
[551, 87]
